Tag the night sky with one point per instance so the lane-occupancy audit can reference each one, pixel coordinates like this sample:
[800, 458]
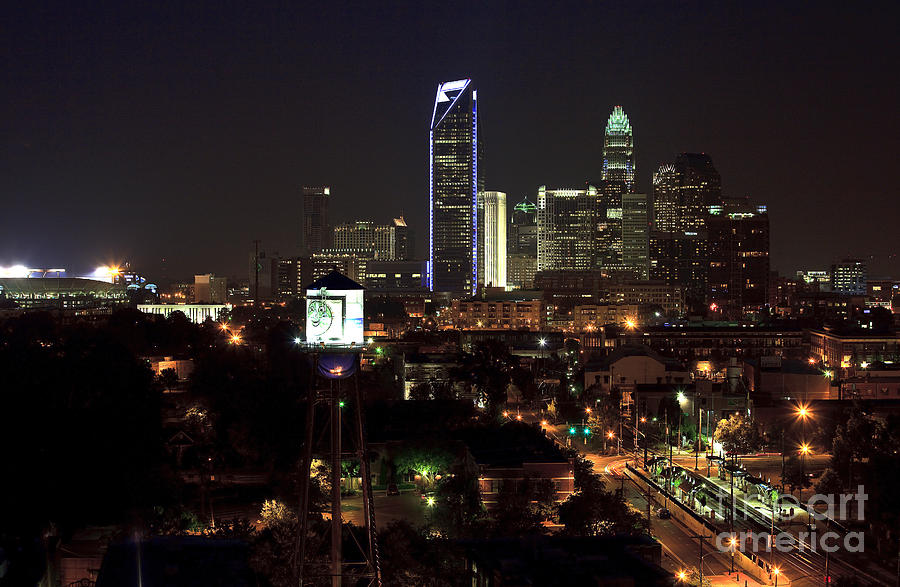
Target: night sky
[185, 130]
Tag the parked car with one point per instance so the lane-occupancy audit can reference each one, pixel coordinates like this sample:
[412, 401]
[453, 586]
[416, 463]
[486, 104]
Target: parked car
[392, 489]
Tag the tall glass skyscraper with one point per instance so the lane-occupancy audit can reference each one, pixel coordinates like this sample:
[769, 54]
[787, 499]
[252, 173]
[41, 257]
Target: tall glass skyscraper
[567, 220]
[492, 260]
[454, 185]
[618, 149]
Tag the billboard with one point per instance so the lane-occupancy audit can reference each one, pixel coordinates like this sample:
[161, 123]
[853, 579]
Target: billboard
[334, 317]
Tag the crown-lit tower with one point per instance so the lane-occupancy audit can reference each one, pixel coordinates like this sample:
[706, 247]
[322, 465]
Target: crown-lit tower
[618, 149]
[454, 185]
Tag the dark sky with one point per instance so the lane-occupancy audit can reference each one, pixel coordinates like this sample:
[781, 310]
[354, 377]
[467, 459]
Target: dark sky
[185, 129]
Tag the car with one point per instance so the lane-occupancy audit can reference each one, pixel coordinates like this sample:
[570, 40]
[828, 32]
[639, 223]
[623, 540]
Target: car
[664, 514]
[392, 489]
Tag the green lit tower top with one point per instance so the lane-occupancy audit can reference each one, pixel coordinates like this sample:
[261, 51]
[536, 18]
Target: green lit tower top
[618, 149]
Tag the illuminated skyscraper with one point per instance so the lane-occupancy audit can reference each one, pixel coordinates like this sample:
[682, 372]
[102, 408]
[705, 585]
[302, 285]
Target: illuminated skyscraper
[738, 257]
[567, 220]
[493, 239]
[636, 235]
[315, 232]
[849, 277]
[454, 183]
[618, 149]
[383, 241]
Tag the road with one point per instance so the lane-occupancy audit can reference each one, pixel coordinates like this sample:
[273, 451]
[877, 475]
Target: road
[806, 568]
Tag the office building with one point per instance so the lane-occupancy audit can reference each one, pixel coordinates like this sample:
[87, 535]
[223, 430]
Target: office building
[683, 192]
[815, 279]
[454, 184]
[520, 270]
[738, 257]
[493, 239]
[395, 276]
[289, 277]
[608, 227]
[618, 149]
[636, 235]
[260, 274]
[680, 258]
[350, 263]
[566, 220]
[387, 242]
[315, 232]
[849, 277]
[402, 241]
[522, 232]
[209, 289]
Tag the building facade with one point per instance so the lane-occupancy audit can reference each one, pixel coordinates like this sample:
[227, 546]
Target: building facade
[636, 235]
[618, 149]
[455, 181]
[849, 277]
[315, 232]
[566, 222]
[738, 258]
[493, 239]
[209, 289]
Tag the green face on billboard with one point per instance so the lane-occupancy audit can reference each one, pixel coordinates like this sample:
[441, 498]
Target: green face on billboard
[318, 317]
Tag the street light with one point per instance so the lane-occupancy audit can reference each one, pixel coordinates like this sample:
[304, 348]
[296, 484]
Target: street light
[681, 575]
[776, 571]
[733, 544]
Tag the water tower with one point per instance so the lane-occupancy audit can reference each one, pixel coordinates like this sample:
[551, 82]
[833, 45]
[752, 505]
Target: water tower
[334, 340]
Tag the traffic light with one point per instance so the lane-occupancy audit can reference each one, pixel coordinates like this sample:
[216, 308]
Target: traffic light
[572, 430]
[587, 431]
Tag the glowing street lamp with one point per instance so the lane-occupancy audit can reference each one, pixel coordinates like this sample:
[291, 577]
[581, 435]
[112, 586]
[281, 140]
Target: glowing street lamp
[587, 410]
[681, 575]
[630, 323]
[297, 340]
[776, 571]
[235, 339]
[803, 412]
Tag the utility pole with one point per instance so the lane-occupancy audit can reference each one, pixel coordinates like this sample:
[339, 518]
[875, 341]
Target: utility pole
[256, 272]
[336, 554]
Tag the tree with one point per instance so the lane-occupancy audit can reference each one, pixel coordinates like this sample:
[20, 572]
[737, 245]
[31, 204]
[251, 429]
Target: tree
[593, 511]
[829, 483]
[520, 508]
[425, 458]
[794, 474]
[410, 559]
[738, 434]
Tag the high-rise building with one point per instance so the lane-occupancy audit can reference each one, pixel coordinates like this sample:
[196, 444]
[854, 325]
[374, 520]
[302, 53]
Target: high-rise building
[386, 242]
[636, 235]
[352, 264]
[521, 237]
[683, 193]
[618, 149]
[849, 277]
[608, 233]
[315, 232]
[288, 277]
[738, 257]
[492, 259]
[566, 220]
[680, 258]
[260, 273]
[209, 289]
[520, 270]
[402, 241]
[453, 186]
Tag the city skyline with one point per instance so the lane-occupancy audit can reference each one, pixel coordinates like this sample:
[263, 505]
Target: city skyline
[93, 139]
